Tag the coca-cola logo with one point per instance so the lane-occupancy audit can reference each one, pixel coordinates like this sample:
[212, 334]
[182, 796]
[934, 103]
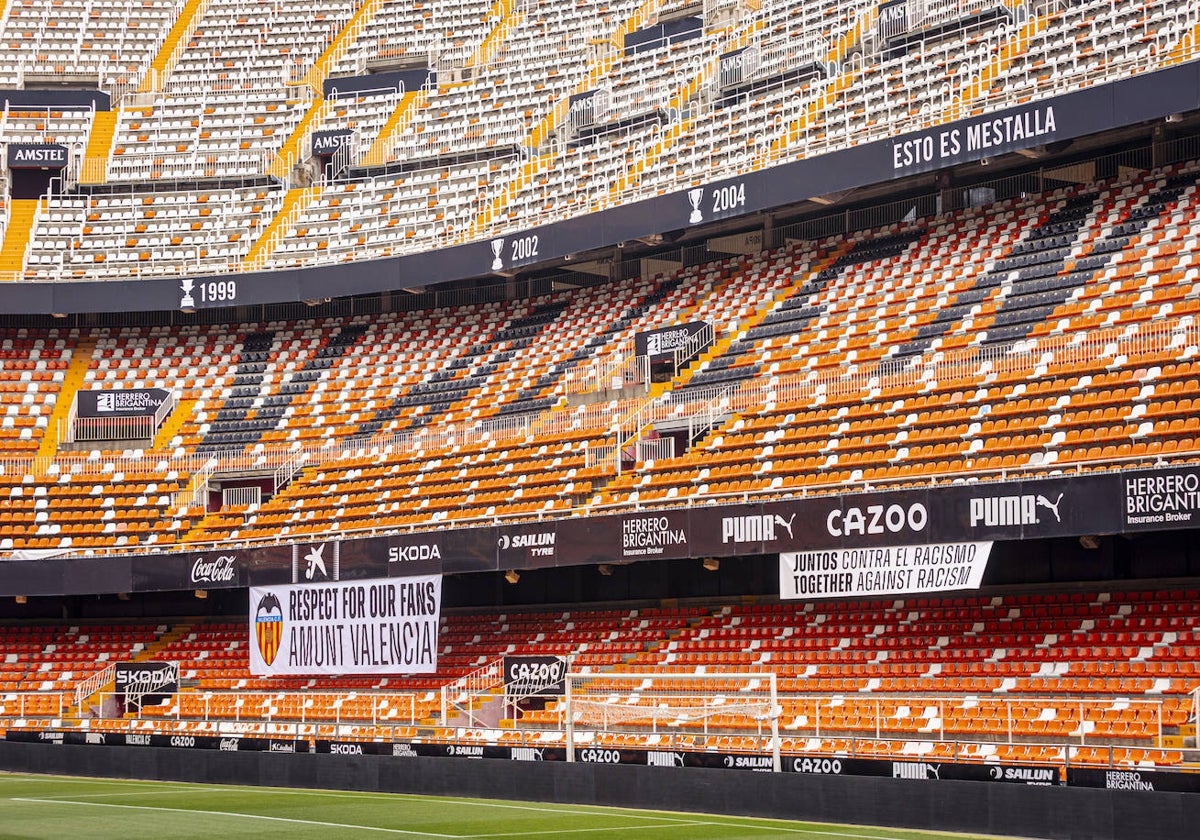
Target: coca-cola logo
[222, 569]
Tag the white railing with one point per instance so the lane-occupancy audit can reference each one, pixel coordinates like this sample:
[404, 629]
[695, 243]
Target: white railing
[29, 704]
[366, 707]
[611, 372]
[94, 683]
[460, 694]
[654, 449]
[692, 347]
[1195, 720]
[970, 364]
[137, 690]
[924, 14]
[778, 58]
[152, 163]
[83, 429]
[241, 496]
[156, 79]
[195, 493]
[284, 473]
[653, 696]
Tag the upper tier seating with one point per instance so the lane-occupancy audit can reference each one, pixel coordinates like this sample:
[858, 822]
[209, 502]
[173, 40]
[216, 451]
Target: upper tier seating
[112, 44]
[487, 149]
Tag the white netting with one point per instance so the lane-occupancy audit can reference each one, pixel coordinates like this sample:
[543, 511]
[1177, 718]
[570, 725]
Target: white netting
[709, 701]
[602, 713]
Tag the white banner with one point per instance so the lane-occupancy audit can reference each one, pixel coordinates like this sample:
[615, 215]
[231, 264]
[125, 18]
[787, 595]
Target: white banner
[893, 570]
[361, 627]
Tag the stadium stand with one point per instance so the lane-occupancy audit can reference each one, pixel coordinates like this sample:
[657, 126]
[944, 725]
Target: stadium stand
[239, 98]
[1011, 678]
[1018, 337]
[960, 338]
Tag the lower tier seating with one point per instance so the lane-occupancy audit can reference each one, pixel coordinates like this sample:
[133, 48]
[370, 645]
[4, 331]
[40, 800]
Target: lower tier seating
[1096, 677]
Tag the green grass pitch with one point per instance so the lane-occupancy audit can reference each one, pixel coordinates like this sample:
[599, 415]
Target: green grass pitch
[98, 809]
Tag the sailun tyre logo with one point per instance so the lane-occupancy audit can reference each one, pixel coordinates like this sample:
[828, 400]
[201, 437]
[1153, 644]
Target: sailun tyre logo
[268, 626]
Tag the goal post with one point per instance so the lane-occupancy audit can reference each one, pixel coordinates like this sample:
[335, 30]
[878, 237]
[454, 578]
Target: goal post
[708, 703]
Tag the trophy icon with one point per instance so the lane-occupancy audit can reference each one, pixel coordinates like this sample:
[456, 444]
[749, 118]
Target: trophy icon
[188, 302]
[497, 248]
[695, 196]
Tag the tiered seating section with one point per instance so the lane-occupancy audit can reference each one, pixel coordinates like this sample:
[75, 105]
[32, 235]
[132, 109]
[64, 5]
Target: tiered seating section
[1012, 678]
[836, 379]
[111, 44]
[1028, 334]
[32, 368]
[42, 665]
[486, 151]
[122, 234]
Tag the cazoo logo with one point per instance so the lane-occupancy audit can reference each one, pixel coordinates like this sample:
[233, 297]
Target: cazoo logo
[877, 519]
[598, 756]
[819, 766]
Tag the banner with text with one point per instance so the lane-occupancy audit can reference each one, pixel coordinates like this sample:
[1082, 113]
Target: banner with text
[129, 402]
[889, 570]
[530, 676]
[377, 627]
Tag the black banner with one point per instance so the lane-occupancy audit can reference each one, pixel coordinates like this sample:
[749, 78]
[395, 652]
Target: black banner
[132, 402]
[949, 771]
[435, 552]
[532, 545]
[316, 562]
[1155, 500]
[179, 572]
[1023, 774]
[832, 765]
[36, 156]
[581, 109]
[535, 676]
[1084, 505]
[161, 677]
[660, 345]
[957, 513]
[1134, 779]
[224, 743]
[378, 84]
[269, 565]
[731, 68]
[327, 143]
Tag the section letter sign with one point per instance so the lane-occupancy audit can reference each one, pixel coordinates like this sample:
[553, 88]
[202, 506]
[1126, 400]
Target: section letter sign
[890, 570]
[346, 627]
